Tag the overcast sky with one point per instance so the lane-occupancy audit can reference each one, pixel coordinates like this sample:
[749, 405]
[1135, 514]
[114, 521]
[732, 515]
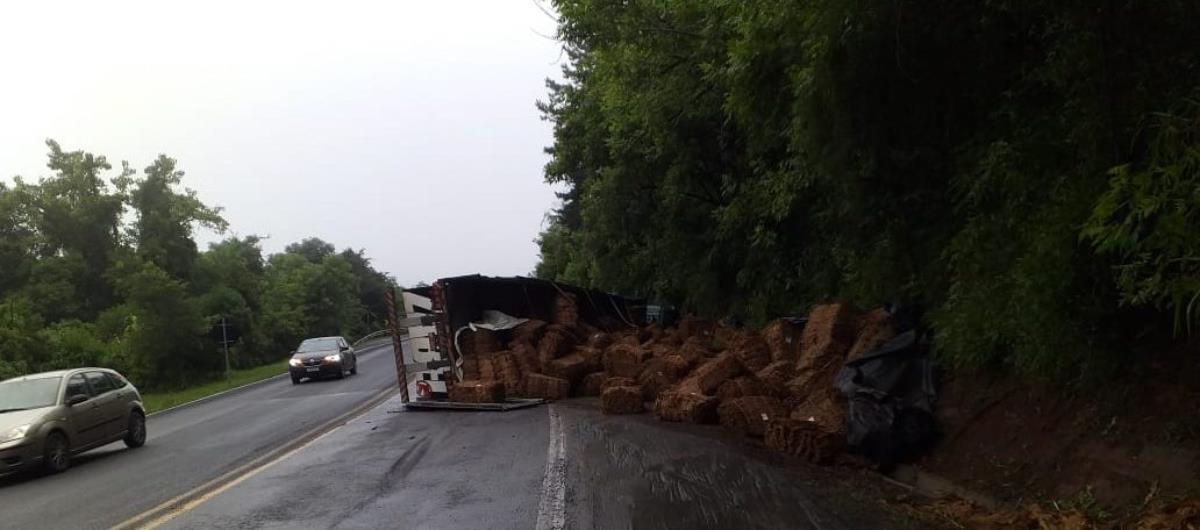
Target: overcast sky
[406, 128]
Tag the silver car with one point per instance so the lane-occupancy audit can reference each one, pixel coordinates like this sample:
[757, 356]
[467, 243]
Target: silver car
[45, 418]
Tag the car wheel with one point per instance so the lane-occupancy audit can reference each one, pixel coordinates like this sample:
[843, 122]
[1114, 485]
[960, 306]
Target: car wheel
[135, 436]
[354, 369]
[341, 374]
[295, 380]
[56, 457]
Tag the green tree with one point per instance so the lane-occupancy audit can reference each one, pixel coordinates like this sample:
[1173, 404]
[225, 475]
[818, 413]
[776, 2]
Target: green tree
[166, 218]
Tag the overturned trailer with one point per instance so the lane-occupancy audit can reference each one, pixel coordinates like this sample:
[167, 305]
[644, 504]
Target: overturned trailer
[439, 315]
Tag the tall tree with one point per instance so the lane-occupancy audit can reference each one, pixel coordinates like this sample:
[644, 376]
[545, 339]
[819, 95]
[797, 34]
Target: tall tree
[166, 217]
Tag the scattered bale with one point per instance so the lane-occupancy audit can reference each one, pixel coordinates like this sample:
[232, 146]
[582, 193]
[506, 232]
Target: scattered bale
[566, 311]
[828, 335]
[783, 339]
[750, 385]
[825, 409]
[610, 382]
[555, 343]
[803, 439]
[624, 360]
[750, 415]
[651, 334]
[684, 406]
[710, 375]
[599, 340]
[752, 351]
[470, 391]
[778, 373]
[571, 367]
[826, 339]
[875, 328]
[695, 349]
[655, 378]
[676, 366]
[592, 384]
[546, 387]
[737, 387]
[621, 400]
[696, 327]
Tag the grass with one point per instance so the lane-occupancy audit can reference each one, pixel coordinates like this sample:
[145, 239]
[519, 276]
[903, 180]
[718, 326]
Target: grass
[157, 401]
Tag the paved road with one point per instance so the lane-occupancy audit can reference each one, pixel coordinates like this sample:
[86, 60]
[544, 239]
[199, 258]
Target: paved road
[187, 447]
[487, 470]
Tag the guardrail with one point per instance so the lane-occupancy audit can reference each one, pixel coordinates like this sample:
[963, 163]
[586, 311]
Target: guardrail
[375, 336]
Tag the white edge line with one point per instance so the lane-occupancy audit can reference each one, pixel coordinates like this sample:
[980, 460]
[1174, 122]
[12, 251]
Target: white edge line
[552, 507]
[217, 395]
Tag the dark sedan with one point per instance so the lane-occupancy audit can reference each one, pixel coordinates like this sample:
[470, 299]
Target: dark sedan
[322, 357]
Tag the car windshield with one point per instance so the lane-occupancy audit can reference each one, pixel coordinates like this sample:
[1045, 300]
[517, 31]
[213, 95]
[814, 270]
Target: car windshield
[21, 394]
[316, 345]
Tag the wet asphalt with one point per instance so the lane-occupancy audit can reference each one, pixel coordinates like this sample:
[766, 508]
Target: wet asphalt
[474, 470]
[185, 448]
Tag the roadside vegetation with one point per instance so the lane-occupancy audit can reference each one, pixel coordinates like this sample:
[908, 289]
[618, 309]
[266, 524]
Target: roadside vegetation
[99, 267]
[1025, 174]
[162, 400]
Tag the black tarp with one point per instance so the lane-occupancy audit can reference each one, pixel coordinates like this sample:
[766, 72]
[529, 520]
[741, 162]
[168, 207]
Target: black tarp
[890, 395]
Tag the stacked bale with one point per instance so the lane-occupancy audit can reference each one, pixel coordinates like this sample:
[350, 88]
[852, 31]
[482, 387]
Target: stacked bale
[566, 310]
[508, 372]
[470, 391]
[546, 387]
[621, 400]
[478, 341]
[529, 332]
[526, 356]
[750, 415]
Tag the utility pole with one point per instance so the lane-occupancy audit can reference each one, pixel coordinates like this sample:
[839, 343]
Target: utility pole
[225, 343]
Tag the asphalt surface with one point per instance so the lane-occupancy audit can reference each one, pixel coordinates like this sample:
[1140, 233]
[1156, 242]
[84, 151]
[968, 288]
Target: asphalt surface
[187, 447]
[473, 470]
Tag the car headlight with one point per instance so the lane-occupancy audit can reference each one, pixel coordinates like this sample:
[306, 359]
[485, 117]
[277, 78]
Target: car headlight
[15, 433]
[294, 362]
[333, 358]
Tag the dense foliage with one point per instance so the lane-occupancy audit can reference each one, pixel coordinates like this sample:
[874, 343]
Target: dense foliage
[98, 271]
[1025, 172]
